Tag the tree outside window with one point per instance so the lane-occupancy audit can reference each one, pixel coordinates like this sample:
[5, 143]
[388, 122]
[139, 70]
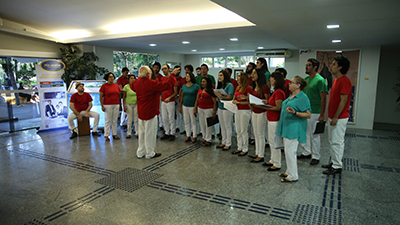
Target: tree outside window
[232, 61]
[219, 62]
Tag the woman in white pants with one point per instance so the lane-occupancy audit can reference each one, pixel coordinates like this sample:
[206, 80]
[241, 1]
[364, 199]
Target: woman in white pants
[130, 107]
[188, 95]
[206, 106]
[242, 117]
[109, 99]
[273, 115]
[225, 116]
[292, 126]
[260, 90]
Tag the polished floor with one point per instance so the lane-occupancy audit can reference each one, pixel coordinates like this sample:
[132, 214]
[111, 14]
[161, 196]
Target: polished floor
[47, 178]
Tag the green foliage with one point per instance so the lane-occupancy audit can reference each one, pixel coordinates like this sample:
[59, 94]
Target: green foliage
[132, 61]
[25, 72]
[79, 66]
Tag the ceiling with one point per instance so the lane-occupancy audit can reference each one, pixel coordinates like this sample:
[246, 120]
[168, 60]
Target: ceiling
[284, 24]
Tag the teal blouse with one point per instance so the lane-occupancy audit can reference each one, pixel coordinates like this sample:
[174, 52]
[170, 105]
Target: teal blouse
[230, 90]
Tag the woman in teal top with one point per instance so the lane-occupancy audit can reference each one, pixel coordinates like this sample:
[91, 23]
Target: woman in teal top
[292, 125]
[225, 116]
[188, 95]
[130, 106]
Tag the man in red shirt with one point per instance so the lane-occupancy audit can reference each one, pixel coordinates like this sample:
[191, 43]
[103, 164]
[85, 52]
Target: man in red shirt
[180, 81]
[338, 112]
[168, 105]
[122, 81]
[156, 69]
[80, 104]
[148, 98]
[233, 81]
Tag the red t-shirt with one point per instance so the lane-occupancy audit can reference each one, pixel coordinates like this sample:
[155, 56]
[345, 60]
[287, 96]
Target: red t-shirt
[237, 93]
[205, 100]
[81, 102]
[250, 80]
[265, 90]
[235, 83]
[159, 76]
[180, 81]
[341, 86]
[279, 94]
[169, 92]
[111, 93]
[148, 96]
[122, 81]
[287, 92]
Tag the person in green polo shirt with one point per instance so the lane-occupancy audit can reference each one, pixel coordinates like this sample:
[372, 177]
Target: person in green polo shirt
[204, 73]
[316, 91]
[130, 106]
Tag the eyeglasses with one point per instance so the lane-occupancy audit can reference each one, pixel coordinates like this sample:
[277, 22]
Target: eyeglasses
[292, 82]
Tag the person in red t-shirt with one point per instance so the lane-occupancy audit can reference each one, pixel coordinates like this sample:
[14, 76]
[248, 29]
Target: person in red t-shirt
[109, 99]
[249, 69]
[80, 104]
[168, 105]
[156, 73]
[180, 81]
[287, 81]
[122, 81]
[148, 97]
[338, 112]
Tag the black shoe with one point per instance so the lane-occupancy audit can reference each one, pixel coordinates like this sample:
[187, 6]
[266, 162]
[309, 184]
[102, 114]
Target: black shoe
[96, 134]
[183, 132]
[242, 154]
[73, 135]
[267, 164]
[258, 161]
[331, 171]
[252, 142]
[267, 145]
[177, 130]
[236, 152]
[304, 156]
[213, 136]
[161, 128]
[165, 137]
[219, 136]
[314, 162]
[327, 166]
[273, 169]
[171, 137]
[220, 146]
[156, 155]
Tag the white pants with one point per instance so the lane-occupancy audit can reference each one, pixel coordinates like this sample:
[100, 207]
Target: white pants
[242, 119]
[160, 122]
[179, 116]
[72, 117]
[313, 144]
[336, 141]
[111, 114]
[131, 112]
[147, 137]
[189, 119]
[225, 122]
[291, 157]
[168, 116]
[259, 121]
[275, 153]
[205, 131]
[123, 114]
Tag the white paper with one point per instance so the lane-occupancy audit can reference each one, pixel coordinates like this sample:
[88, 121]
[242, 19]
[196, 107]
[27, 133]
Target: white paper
[230, 106]
[220, 91]
[257, 101]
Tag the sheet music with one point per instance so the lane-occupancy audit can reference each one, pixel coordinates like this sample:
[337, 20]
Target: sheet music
[257, 101]
[230, 106]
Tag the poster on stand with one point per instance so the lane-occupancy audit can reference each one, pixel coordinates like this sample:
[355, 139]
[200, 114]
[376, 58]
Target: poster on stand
[52, 93]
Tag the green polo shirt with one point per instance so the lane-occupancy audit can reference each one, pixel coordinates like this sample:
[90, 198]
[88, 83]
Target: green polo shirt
[130, 95]
[314, 87]
[198, 79]
[268, 75]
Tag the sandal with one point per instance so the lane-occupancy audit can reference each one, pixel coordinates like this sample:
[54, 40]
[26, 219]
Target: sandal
[253, 156]
[282, 175]
[206, 144]
[236, 152]
[286, 180]
[226, 148]
[187, 139]
[107, 139]
[116, 137]
[129, 136]
[242, 153]
[193, 140]
[257, 160]
[220, 146]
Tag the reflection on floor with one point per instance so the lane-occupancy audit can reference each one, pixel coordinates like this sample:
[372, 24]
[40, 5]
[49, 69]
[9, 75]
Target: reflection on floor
[47, 178]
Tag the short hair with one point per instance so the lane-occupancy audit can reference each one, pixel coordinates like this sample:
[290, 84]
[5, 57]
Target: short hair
[189, 67]
[177, 66]
[314, 63]
[301, 81]
[198, 68]
[166, 65]
[125, 69]
[343, 62]
[192, 78]
[143, 71]
[79, 83]
[279, 80]
[283, 71]
[227, 79]
[204, 65]
[107, 75]
[157, 64]
[263, 61]
[229, 70]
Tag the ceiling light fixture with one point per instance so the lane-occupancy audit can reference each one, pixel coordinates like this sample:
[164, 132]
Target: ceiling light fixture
[185, 42]
[194, 50]
[335, 26]
[221, 49]
[260, 47]
[338, 51]
[152, 45]
[234, 39]
[70, 34]
[336, 41]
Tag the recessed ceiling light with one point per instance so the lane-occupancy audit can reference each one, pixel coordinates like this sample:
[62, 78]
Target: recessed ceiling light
[185, 42]
[260, 47]
[221, 49]
[333, 26]
[338, 51]
[336, 41]
[234, 39]
[194, 50]
[152, 45]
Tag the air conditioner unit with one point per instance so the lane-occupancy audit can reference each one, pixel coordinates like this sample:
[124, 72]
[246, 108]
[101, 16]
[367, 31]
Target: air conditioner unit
[279, 53]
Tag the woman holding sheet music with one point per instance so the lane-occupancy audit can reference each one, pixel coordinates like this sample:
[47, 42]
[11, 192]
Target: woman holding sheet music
[258, 117]
[225, 116]
[242, 117]
[206, 106]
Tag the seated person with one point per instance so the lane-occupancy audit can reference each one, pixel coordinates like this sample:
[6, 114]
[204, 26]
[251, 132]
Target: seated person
[80, 104]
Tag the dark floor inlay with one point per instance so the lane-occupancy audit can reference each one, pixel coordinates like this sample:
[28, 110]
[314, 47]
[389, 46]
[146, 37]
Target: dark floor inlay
[332, 196]
[311, 214]
[379, 168]
[35, 222]
[129, 179]
[351, 165]
[226, 201]
[353, 135]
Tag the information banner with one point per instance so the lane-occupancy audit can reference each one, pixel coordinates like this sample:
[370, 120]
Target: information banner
[52, 94]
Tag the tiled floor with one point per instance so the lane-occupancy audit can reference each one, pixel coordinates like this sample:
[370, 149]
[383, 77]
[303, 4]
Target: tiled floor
[46, 178]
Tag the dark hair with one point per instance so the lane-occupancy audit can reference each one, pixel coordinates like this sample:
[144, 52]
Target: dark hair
[226, 80]
[283, 71]
[107, 75]
[229, 70]
[189, 67]
[153, 75]
[343, 62]
[166, 65]
[253, 65]
[198, 68]
[125, 69]
[279, 80]
[157, 64]
[204, 65]
[314, 62]
[263, 61]
[131, 75]
[261, 81]
[301, 81]
[192, 78]
[209, 86]
[177, 66]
